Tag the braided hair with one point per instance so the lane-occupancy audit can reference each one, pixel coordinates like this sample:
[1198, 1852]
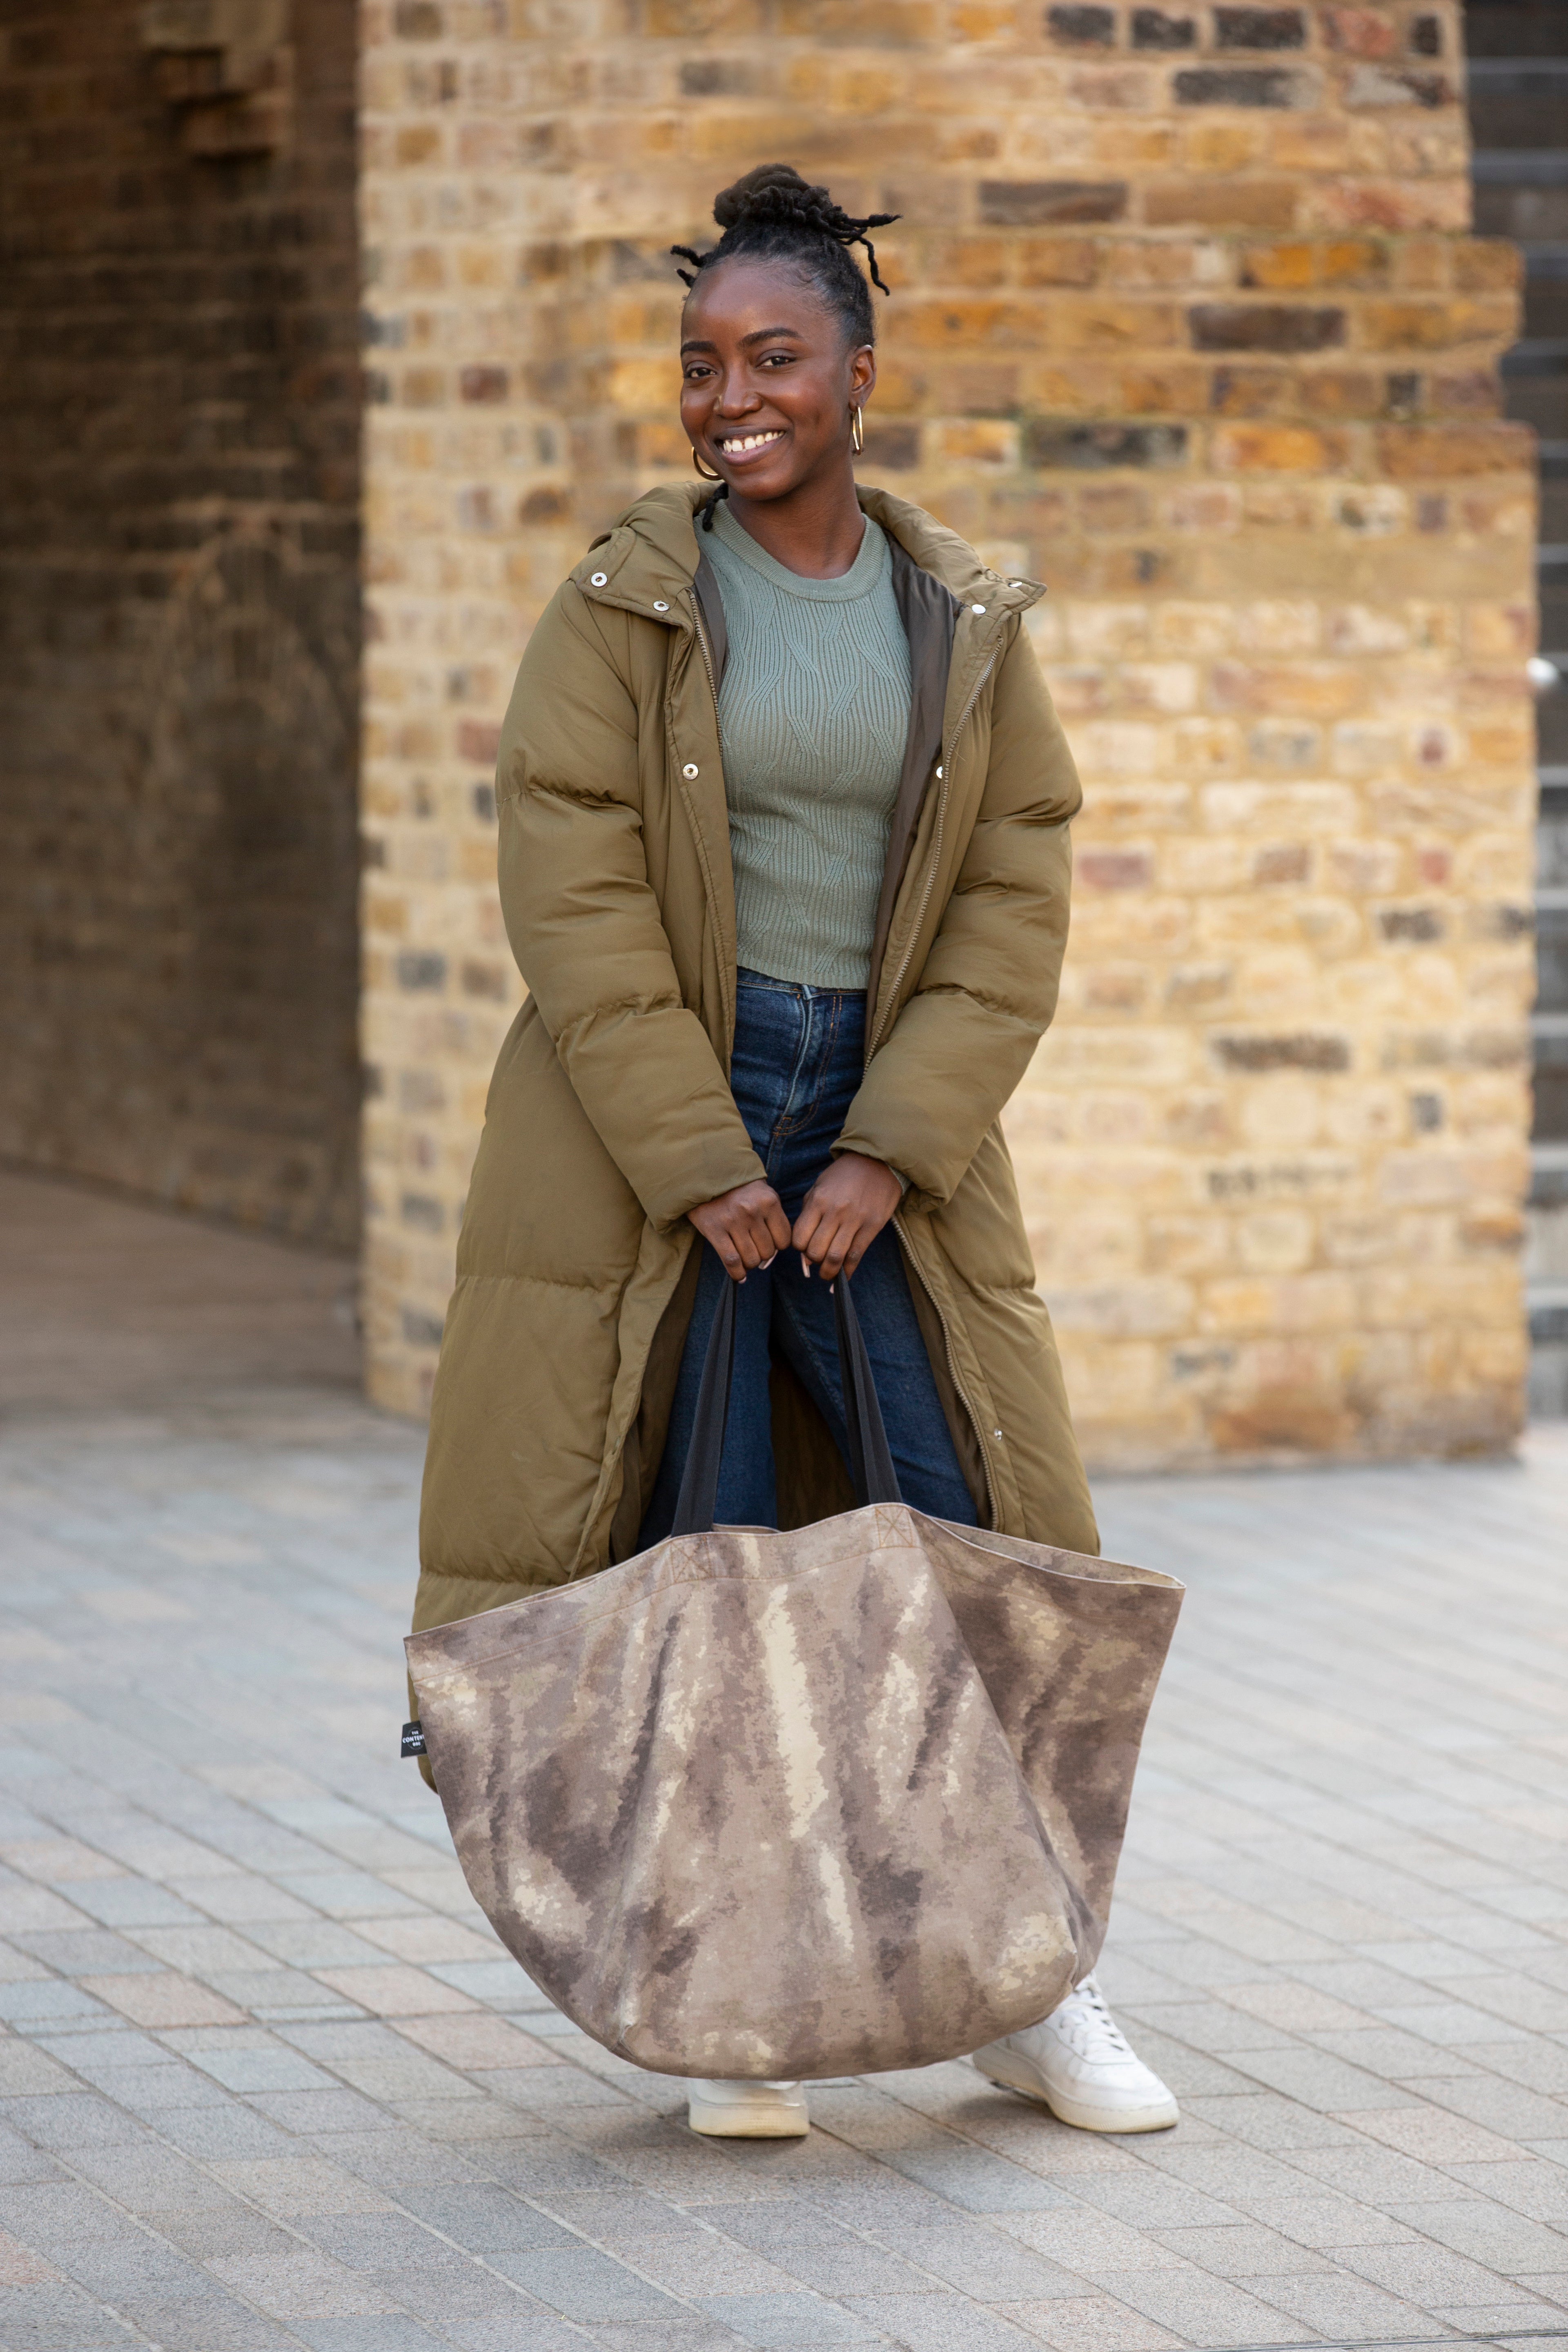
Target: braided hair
[773, 215]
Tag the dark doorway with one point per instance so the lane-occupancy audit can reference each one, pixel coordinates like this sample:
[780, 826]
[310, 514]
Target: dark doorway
[179, 608]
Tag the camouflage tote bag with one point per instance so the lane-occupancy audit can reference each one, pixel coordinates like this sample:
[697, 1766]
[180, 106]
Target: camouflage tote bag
[761, 1805]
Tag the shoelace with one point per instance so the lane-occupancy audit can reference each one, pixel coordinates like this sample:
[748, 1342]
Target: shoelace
[1088, 2026]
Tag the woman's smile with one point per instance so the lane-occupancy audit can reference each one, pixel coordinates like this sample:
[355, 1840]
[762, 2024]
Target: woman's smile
[737, 447]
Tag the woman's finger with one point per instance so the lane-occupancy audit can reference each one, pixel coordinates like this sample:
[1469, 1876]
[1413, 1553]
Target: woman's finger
[806, 1237]
[748, 1248]
[762, 1232]
[830, 1244]
[856, 1242]
[807, 1224]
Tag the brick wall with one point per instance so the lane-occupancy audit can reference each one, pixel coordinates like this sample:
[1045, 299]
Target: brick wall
[1186, 322]
[179, 605]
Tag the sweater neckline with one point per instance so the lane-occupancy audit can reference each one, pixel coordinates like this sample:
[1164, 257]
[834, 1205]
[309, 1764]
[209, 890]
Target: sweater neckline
[858, 581]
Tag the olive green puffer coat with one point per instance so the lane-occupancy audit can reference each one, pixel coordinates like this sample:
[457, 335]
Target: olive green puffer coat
[610, 1116]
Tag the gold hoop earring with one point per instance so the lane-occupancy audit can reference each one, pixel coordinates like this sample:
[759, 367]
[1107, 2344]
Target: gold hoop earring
[707, 473]
[857, 430]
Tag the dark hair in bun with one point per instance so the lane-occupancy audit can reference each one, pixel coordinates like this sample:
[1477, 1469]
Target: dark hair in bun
[773, 215]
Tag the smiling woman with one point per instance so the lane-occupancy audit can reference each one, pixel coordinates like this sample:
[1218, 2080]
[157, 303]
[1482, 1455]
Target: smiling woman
[772, 411]
[784, 863]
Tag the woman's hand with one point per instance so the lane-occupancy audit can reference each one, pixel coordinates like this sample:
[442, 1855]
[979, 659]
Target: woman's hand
[747, 1226]
[844, 1212]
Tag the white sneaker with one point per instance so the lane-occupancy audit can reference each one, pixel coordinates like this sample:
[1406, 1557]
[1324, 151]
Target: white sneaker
[1078, 2062]
[748, 2110]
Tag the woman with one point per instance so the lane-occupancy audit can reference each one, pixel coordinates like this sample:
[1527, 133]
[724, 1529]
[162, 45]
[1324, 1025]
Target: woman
[784, 863]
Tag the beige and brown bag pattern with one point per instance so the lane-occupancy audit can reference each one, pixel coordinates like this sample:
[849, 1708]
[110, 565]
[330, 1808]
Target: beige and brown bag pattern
[843, 1800]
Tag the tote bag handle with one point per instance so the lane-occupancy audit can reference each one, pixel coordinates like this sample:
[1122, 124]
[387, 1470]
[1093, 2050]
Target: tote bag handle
[870, 1458]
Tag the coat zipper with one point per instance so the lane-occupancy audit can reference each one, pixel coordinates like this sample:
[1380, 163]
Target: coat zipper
[899, 1226]
[936, 845]
[707, 656]
[703, 646]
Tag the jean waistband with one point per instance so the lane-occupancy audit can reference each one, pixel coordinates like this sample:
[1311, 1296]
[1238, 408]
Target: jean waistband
[804, 990]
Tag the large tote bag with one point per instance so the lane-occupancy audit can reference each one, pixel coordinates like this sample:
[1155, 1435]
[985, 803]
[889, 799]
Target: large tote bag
[763, 1805]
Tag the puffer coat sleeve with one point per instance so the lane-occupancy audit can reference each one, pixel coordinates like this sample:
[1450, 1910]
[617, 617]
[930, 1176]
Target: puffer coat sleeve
[988, 989]
[586, 925]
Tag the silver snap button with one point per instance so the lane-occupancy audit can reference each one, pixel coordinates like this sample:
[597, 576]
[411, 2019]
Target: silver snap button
[995, 1432]
[1014, 583]
[598, 579]
[977, 608]
[940, 772]
[659, 605]
[689, 772]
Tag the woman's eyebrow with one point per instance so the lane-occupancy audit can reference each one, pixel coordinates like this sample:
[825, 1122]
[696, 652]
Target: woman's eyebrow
[757, 335]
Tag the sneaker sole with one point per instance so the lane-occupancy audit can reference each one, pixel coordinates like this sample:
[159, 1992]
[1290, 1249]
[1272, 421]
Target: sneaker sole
[733, 2123]
[1094, 2119]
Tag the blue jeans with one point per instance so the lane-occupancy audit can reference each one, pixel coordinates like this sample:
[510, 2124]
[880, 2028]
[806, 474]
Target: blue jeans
[797, 1064]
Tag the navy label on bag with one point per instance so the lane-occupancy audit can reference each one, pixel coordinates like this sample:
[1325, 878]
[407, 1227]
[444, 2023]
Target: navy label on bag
[413, 1740]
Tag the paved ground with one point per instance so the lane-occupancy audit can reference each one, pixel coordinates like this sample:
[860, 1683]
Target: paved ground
[267, 2081]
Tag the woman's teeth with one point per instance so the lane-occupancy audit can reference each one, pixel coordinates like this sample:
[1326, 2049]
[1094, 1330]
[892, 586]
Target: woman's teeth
[741, 445]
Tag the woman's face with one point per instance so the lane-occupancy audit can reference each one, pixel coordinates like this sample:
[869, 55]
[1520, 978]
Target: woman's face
[767, 383]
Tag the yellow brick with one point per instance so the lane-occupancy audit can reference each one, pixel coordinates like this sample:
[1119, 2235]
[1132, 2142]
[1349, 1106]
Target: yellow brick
[1275, 1241]
[1200, 748]
[1233, 1307]
[1345, 261]
[980, 20]
[1104, 631]
[1058, 261]
[968, 324]
[871, 21]
[862, 89]
[1187, 1245]
[1281, 267]
[971, 261]
[1307, 146]
[638, 387]
[982, 443]
[685, 20]
[1277, 448]
[1434, 326]
[1279, 1113]
[1221, 147]
[1088, 325]
[1148, 146]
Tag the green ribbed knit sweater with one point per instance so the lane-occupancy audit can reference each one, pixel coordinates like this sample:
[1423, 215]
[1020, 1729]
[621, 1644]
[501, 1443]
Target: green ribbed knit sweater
[813, 715]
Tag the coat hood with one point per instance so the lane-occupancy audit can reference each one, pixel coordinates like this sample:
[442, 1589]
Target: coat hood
[652, 551]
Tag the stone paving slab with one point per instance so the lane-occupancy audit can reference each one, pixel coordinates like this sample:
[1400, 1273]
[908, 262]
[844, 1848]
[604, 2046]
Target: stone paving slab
[268, 2082]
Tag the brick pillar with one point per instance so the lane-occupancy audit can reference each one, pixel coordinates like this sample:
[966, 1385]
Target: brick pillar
[1186, 322]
